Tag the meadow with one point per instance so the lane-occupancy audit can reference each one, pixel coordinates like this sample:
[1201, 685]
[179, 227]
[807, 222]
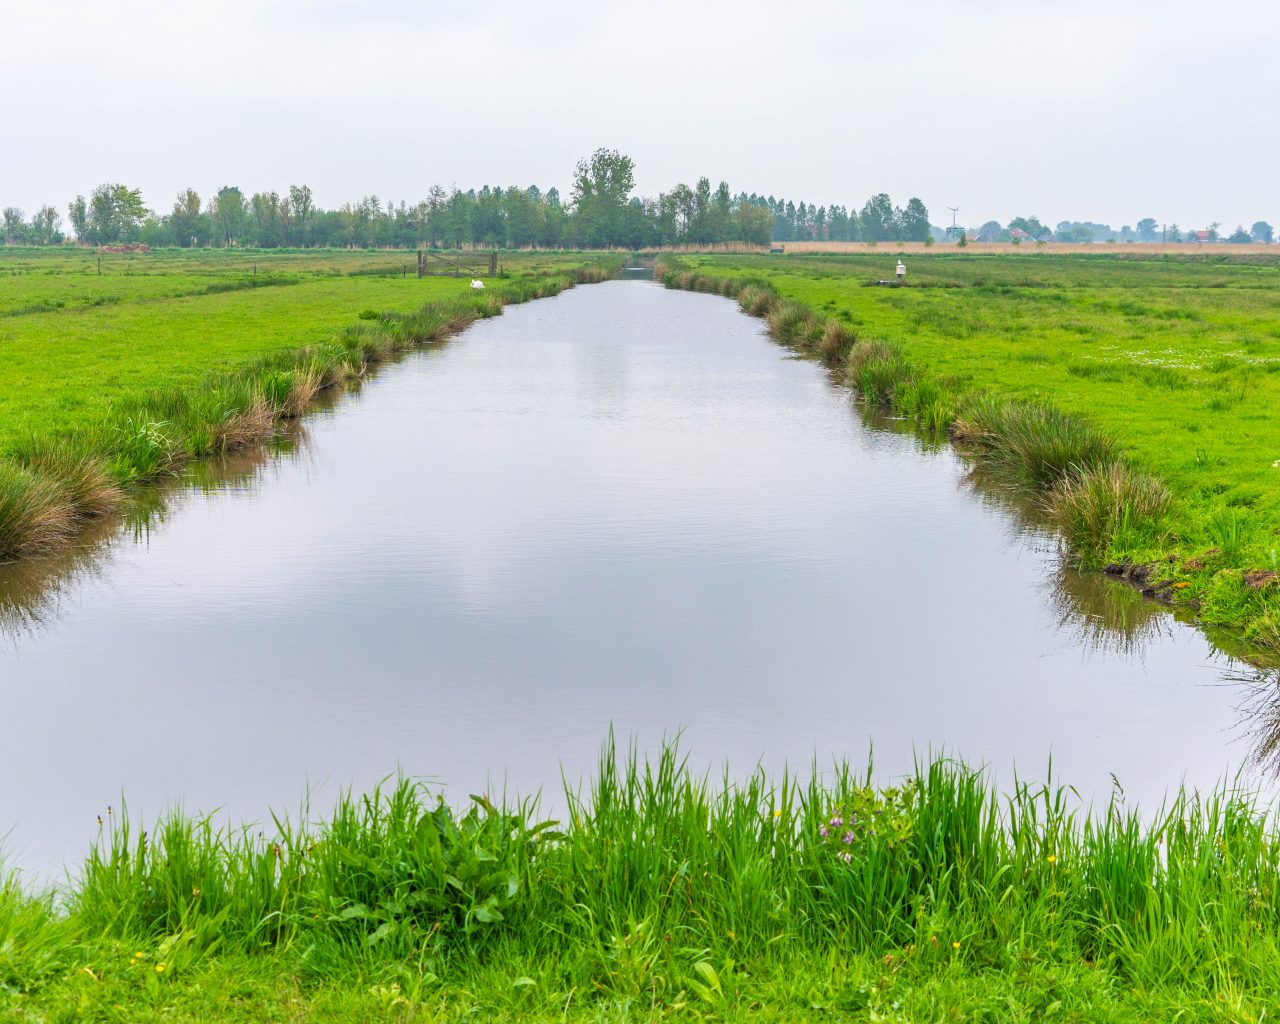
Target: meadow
[666, 894]
[1131, 396]
[121, 377]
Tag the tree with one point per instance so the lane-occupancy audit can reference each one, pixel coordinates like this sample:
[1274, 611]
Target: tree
[1148, 230]
[990, 231]
[115, 214]
[46, 226]
[1031, 225]
[78, 213]
[301, 208]
[264, 210]
[915, 221]
[13, 225]
[229, 214]
[601, 187]
[755, 224]
[1240, 236]
[876, 219]
[185, 228]
[1262, 232]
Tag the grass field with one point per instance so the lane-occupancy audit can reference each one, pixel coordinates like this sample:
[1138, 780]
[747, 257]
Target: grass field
[1160, 376]
[667, 896]
[121, 377]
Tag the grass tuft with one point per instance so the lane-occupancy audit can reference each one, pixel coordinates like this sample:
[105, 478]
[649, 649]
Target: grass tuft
[1106, 509]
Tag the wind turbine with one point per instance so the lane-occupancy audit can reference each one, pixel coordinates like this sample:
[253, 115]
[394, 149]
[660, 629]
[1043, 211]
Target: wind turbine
[954, 210]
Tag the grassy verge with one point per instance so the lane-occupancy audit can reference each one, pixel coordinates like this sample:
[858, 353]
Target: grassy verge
[122, 396]
[1167, 481]
[665, 896]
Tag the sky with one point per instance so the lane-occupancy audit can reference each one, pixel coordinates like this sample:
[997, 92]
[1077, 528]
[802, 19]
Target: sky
[1062, 109]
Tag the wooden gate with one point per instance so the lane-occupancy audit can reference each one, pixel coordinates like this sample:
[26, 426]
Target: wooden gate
[457, 264]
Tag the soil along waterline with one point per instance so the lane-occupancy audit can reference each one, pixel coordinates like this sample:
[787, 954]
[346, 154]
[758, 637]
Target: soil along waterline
[1109, 515]
[52, 488]
[625, 505]
[663, 884]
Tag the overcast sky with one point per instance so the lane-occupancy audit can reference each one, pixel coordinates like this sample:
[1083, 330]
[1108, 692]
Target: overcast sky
[1066, 109]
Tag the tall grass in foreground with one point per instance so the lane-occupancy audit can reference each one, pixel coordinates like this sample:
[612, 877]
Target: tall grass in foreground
[657, 869]
[50, 486]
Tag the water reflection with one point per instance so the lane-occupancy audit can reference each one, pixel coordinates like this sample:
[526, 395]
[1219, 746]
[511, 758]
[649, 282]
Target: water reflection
[33, 590]
[1259, 711]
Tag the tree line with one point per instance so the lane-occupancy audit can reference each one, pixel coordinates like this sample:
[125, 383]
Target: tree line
[1145, 230]
[601, 211]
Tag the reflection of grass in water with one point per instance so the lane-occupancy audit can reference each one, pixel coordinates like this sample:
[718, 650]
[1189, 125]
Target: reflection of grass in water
[1259, 711]
[31, 589]
[1102, 615]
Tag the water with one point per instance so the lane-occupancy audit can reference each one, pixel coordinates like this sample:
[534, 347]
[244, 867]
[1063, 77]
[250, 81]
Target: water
[624, 506]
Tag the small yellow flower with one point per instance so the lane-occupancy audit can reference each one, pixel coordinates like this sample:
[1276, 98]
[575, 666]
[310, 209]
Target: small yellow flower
[955, 945]
[139, 955]
[777, 813]
[159, 968]
[1052, 858]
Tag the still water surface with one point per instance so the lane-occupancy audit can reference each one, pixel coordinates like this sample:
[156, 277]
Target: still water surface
[624, 506]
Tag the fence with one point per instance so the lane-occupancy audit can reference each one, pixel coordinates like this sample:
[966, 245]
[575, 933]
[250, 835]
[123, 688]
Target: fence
[470, 264]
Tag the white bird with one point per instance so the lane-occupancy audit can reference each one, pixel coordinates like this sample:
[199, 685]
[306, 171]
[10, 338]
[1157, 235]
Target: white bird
[477, 283]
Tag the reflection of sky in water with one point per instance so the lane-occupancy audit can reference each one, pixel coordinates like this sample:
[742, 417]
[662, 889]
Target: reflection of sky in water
[621, 506]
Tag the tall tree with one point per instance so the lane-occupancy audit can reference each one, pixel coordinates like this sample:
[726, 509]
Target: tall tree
[78, 214]
[915, 221]
[876, 219]
[229, 214]
[185, 228]
[13, 225]
[115, 214]
[602, 184]
[301, 207]
[46, 226]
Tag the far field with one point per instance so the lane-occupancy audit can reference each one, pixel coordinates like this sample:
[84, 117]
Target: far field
[72, 341]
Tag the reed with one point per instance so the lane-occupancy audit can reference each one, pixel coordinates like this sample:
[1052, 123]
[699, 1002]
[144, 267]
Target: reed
[1109, 506]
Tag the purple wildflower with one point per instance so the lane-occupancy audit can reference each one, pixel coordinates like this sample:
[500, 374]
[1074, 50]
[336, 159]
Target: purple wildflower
[822, 831]
[845, 856]
[847, 838]
[836, 821]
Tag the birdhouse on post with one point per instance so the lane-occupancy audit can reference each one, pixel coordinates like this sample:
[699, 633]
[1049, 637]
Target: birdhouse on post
[901, 271]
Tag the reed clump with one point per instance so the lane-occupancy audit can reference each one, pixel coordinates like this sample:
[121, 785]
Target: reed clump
[1099, 508]
[36, 514]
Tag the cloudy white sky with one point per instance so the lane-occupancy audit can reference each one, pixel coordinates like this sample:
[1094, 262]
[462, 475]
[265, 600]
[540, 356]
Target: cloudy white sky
[1067, 109]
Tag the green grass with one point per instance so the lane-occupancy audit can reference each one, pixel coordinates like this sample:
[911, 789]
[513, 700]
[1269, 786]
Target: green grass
[1073, 372]
[190, 358]
[665, 894]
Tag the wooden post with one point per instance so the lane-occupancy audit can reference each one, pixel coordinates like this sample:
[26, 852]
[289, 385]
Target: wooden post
[493, 264]
[99, 266]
